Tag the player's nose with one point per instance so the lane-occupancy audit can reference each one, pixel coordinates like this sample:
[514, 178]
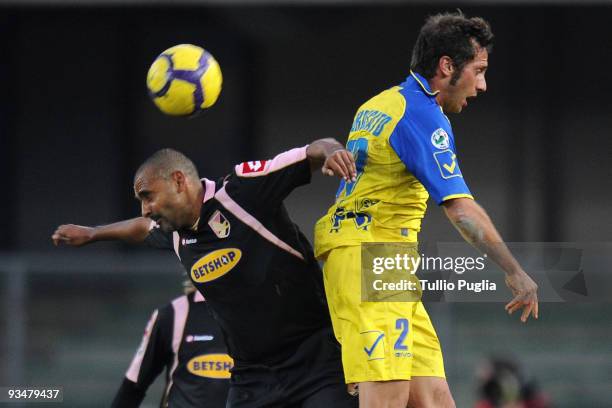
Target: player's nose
[481, 85]
[145, 209]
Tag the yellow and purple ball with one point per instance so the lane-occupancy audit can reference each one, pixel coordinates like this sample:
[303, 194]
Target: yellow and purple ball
[184, 80]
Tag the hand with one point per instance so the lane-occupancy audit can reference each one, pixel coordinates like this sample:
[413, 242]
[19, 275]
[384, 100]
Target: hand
[525, 294]
[340, 163]
[73, 235]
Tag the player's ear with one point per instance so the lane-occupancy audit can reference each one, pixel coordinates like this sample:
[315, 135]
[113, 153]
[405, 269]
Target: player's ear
[178, 179]
[446, 66]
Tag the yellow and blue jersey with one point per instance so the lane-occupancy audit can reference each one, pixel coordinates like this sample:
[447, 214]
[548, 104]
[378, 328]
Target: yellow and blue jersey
[405, 151]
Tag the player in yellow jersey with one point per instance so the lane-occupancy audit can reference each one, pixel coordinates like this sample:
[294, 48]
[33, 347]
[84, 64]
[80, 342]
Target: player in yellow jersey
[404, 150]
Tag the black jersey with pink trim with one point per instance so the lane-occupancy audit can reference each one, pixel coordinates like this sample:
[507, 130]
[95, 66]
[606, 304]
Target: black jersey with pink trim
[182, 338]
[251, 262]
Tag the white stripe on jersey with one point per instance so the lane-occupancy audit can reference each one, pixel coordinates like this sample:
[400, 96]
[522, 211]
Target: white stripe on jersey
[240, 213]
[181, 309]
[134, 368]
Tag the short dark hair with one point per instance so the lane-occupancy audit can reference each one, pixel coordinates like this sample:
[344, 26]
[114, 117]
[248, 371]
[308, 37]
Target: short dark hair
[164, 162]
[453, 35]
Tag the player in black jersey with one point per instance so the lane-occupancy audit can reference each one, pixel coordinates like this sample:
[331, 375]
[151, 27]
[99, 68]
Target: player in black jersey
[251, 262]
[183, 338]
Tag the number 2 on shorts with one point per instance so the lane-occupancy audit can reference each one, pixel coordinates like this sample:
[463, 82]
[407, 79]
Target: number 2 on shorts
[401, 324]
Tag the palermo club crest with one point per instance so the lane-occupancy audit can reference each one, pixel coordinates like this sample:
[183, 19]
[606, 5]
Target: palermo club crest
[219, 225]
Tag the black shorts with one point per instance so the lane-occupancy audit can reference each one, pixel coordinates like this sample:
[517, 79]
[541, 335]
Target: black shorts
[311, 378]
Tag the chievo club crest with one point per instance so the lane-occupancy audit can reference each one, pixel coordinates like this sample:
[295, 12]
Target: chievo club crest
[219, 224]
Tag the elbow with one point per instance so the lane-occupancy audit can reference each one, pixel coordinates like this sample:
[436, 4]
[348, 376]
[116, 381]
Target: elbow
[457, 209]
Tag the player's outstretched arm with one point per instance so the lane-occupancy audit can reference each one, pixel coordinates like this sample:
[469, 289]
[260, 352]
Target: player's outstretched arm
[476, 227]
[332, 158]
[133, 230]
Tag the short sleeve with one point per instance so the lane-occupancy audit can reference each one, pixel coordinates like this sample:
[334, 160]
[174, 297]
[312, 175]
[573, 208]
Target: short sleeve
[269, 182]
[424, 142]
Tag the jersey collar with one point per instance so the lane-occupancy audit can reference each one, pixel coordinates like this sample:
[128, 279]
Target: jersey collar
[209, 189]
[209, 192]
[423, 83]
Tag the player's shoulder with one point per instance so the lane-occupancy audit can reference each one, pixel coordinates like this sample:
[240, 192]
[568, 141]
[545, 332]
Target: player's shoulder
[423, 112]
[259, 168]
[168, 308]
[423, 120]
[163, 316]
[421, 104]
[177, 304]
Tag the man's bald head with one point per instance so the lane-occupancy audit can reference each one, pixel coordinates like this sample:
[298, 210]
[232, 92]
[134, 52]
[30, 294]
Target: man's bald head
[169, 189]
[164, 162]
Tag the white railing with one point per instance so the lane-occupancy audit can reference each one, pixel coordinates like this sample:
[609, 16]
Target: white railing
[15, 268]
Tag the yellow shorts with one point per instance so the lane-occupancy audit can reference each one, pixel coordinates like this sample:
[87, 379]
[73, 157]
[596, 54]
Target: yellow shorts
[381, 341]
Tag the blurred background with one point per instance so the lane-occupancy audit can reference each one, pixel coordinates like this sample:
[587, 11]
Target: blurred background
[76, 121]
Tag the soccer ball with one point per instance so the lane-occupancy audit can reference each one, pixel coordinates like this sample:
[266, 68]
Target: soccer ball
[184, 80]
